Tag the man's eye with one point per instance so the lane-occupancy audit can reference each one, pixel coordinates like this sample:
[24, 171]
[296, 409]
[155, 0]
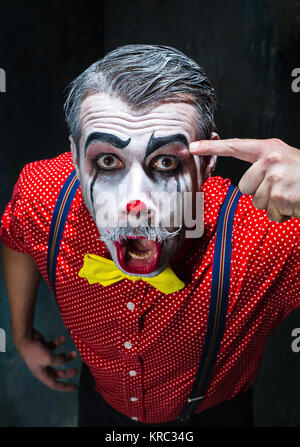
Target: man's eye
[165, 163]
[109, 162]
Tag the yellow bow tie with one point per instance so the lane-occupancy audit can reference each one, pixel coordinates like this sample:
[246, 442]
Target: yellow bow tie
[97, 269]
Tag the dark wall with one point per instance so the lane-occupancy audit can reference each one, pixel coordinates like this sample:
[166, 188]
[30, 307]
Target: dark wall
[248, 48]
[43, 46]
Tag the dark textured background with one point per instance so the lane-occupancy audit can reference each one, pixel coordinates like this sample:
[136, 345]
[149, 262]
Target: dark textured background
[248, 48]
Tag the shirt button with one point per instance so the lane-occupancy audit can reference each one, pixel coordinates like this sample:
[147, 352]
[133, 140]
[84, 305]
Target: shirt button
[133, 399]
[132, 373]
[128, 345]
[130, 306]
[134, 418]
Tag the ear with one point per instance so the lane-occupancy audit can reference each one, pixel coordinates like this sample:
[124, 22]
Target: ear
[209, 161]
[73, 148]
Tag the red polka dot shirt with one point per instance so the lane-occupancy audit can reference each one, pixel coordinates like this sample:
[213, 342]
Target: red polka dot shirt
[143, 347]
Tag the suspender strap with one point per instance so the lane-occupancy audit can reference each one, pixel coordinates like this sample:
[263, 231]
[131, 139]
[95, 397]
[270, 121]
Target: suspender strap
[218, 301]
[58, 222]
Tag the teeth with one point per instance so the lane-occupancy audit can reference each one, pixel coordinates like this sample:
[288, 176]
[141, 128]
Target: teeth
[144, 255]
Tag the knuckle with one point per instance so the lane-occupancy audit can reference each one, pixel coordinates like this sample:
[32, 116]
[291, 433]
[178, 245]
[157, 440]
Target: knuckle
[273, 157]
[275, 141]
[275, 177]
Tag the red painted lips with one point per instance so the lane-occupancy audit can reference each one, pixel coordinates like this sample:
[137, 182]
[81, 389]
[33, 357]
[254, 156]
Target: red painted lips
[138, 255]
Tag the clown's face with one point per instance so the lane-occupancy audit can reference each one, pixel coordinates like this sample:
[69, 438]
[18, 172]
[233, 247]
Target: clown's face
[148, 154]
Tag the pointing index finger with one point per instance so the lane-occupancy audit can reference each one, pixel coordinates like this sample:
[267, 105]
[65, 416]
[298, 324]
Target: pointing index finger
[244, 149]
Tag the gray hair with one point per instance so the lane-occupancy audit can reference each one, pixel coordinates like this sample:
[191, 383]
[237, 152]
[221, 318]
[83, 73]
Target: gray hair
[144, 76]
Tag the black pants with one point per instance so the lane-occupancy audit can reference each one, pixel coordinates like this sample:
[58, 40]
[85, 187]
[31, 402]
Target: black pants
[93, 411]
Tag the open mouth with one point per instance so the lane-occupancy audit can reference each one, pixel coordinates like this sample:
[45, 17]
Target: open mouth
[138, 254]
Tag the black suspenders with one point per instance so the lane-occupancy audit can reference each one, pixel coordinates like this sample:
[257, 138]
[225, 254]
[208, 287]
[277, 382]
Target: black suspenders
[218, 301]
[219, 288]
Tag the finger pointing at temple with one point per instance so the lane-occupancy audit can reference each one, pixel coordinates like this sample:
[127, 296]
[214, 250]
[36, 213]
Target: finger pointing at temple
[244, 149]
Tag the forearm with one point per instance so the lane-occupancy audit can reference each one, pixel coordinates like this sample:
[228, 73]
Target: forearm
[22, 279]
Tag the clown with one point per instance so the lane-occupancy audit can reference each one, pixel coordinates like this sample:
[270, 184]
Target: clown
[170, 327]
[133, 135]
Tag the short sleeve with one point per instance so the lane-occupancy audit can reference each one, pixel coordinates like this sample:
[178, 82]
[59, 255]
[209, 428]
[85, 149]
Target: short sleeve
[13, 220]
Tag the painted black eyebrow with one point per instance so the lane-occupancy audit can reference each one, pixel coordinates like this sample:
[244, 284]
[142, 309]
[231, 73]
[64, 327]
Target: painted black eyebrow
[156, 143]
[108, 138]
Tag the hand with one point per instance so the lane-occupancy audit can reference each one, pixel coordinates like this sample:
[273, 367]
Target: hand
[40, 359]
[274, 177]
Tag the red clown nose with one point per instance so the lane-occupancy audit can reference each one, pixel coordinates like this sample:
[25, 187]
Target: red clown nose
[135, 206]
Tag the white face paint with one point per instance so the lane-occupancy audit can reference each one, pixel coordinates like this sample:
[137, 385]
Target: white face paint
[148, 153]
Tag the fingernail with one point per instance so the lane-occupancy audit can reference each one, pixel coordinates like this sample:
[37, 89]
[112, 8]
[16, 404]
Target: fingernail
[194, 146]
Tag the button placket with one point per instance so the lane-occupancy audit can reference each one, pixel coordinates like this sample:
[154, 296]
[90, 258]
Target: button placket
[133, 387]
[130, 341]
